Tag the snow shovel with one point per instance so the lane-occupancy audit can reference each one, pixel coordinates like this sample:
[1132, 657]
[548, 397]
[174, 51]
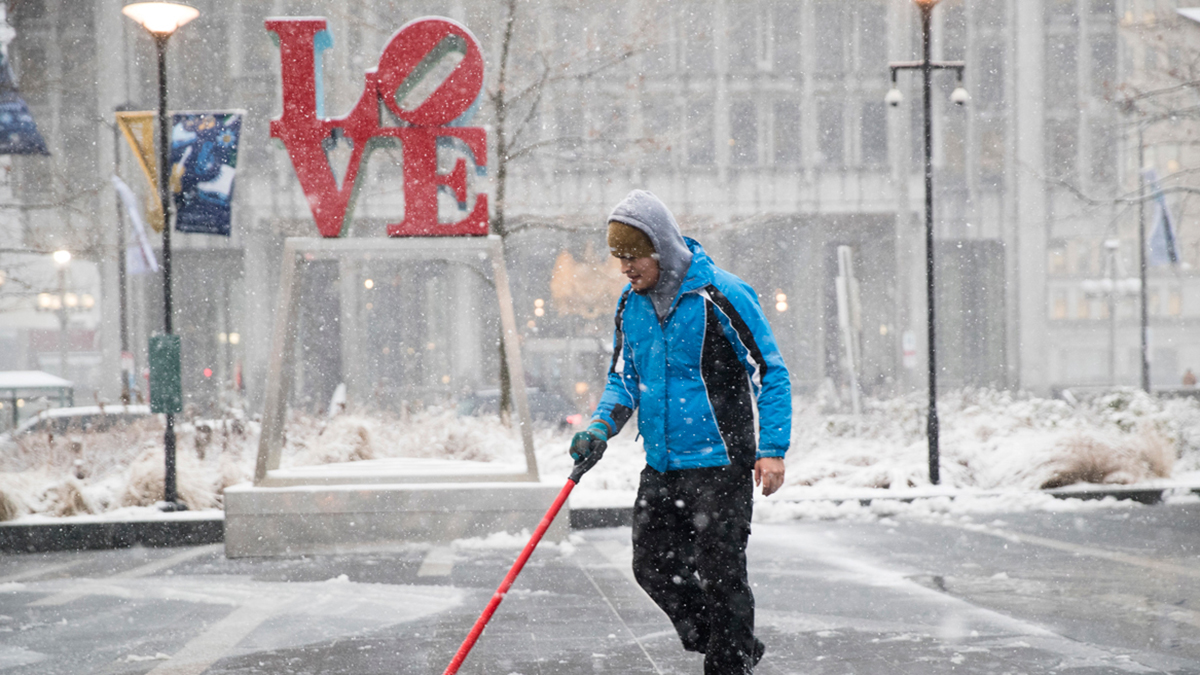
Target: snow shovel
[488, 611]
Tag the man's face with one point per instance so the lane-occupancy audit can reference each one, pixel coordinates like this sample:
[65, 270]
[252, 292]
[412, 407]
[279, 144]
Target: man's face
[641, 272]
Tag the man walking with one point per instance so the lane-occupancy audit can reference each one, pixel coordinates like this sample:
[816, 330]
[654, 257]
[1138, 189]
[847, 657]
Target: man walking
[694, 355]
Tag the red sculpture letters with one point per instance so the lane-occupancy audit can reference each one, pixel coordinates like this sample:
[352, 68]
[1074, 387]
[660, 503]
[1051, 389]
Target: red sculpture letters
[413, 52]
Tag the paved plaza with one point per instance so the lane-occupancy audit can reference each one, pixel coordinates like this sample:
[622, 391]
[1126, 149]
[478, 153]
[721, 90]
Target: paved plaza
[1113, 590]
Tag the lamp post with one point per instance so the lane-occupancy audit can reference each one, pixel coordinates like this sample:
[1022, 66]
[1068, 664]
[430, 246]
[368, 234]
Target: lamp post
[1111, 289]
[161, 20]
[926, 65]
[1144, 326]
[62, 258]
[62, 304]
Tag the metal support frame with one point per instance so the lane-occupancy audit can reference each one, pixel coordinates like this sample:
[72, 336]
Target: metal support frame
[472, 251]
[927, 65]
[1144, 315]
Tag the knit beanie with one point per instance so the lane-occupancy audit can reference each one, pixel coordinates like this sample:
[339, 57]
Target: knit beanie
[627, 241]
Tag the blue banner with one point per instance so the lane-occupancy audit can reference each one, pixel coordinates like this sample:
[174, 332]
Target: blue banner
[203, 166]
[18, 132]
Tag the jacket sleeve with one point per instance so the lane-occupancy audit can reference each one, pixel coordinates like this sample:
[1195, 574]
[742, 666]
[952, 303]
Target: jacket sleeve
[747, 329]
[622, 391]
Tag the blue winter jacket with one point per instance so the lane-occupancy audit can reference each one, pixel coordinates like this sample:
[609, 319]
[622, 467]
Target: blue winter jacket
[701, 377]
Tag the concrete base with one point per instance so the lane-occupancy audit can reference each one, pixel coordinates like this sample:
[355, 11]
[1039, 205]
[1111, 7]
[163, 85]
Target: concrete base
[89, 533]
[297, 520]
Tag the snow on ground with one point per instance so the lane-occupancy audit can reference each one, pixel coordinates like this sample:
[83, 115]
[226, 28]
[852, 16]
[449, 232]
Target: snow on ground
[997, 449]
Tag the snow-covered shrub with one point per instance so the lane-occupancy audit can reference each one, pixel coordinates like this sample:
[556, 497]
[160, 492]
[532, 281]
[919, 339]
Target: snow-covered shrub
[11, 504]
[146, 479]
[345, 438]
[67, 498]
[1119, 460]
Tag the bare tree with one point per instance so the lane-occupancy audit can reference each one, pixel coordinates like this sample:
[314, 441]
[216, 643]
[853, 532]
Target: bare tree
[527, 73]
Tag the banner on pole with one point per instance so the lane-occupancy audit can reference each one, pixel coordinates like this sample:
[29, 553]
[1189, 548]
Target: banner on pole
[139, 257]
[203, 167]
[18, 132]
[1164, 248]
[138, 129]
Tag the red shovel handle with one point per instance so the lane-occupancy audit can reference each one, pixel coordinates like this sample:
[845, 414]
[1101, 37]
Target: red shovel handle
[483, 619]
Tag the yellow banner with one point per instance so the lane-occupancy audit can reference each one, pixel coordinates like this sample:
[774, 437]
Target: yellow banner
[138, 128]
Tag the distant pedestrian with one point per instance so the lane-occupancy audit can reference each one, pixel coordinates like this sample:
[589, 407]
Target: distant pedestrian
[694, 355]
[1189, 378]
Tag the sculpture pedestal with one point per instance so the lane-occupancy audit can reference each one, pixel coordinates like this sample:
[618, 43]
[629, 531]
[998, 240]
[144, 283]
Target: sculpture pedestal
[355, 516]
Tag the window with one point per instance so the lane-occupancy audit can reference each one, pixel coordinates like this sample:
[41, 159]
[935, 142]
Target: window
[1060, 148]
[989, 77]
[787, 38]
[1062, 10]
[991, 154]
[916, 134]
[659, 54]
[1150, 58]
[831, 42]
[743, 130]
[1083, 307]
[29, 9]
[700, 148]
[1104, 62]
[1062, 72]
[874, 133]
[954, 148]
[992, 14]
[1058, 306]
[32, 75]
[1103, 151]
[954, 37]
[1175, 302]
[1084, 256]
[744, 39]
[698, 40]
[830, 133]
[872, 37]
[787, 132]
[1057, 264]
[610, 127]
[569, 118]
[658, 135]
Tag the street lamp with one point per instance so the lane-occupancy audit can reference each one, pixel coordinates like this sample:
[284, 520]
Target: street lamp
[927, 65]
[62, 258]
[161, 20]
[1111, 289]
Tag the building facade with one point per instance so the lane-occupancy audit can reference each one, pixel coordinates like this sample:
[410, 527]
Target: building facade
[761, 123]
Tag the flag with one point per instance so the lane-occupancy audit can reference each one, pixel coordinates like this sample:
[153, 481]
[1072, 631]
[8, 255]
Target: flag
[138, 129]
[203, 165]
[139, 257]
[1164, 248]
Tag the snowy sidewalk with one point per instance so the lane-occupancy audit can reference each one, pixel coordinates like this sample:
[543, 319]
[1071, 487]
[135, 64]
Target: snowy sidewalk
[1035, 593]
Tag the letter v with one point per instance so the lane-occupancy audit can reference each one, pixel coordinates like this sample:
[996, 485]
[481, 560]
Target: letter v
[303, 133]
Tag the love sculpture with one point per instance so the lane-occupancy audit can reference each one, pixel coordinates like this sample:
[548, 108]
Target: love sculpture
[412, 54]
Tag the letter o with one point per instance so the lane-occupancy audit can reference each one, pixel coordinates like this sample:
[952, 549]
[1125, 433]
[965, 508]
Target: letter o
[408, 48]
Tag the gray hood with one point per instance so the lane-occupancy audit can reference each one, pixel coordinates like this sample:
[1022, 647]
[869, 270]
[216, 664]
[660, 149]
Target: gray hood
[643, 210]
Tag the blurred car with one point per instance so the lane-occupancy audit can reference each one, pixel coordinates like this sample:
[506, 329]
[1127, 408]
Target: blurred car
[80, 419]
[545, 407]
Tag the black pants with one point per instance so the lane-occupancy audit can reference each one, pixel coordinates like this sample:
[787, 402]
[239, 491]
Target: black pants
[690, 529]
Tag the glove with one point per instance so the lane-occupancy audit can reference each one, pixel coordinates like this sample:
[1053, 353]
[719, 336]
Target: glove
[587, 447]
